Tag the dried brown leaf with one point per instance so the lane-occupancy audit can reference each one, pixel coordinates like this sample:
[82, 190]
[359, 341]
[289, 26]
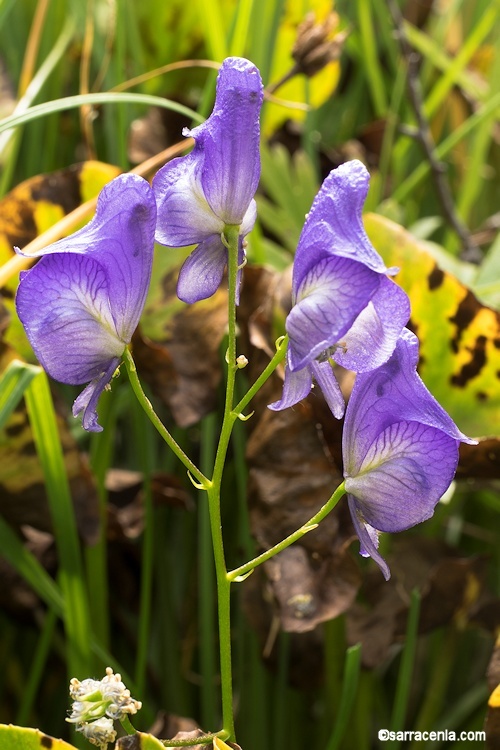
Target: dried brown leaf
[291, 476]
[453, 590]
[182, 363]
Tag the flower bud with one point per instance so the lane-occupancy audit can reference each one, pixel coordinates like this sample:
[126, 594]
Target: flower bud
[317, 44]
[96, 704]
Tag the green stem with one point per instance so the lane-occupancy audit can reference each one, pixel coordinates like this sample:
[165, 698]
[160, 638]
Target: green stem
[158, 424]
[127, 725]
[145, 450]
[281, 348]
[206, 585]
[231, 236]
[243, 570]
[204, 740]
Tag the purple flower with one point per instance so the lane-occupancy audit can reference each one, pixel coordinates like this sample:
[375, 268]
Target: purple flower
[400, 449]
[345, 309]
[81, 302]
[214, 186]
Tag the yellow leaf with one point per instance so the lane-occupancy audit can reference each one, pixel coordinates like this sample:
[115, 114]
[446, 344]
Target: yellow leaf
[313, 91]
[22, 738]
[36, 204]
[459, 337]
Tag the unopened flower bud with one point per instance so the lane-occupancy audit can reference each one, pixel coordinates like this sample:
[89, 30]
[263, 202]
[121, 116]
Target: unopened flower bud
[241, 361]
[99, 732]
[317, 44]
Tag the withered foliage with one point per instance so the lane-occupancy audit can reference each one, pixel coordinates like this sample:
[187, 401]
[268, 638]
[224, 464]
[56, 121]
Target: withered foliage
[183, 365]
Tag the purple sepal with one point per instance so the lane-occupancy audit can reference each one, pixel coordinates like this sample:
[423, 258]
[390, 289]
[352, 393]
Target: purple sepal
[298, 383]
[368, 538]
[334, 225]
[202, 271]
[342, 296]
[296, 386]
[184, 215]
[325, 378]
[86, 402]
[400, 447]
[229, 141]
[198, 195]
[345, 308]
[372, 337]
[81, 302]
[329, 299]
[63, 303]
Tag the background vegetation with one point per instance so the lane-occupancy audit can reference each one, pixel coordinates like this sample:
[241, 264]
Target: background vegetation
[106, 558]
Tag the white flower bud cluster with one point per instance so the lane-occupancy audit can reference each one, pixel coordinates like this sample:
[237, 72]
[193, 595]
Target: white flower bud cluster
[99, 732]
[96, 704]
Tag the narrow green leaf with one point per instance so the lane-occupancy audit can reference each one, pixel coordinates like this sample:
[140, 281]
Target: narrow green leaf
[371, 57]
[14, 380]
[349, 688]
[215, 31]
[432, 51]
[80, 100]
[405, 675]
[443, 149]
[240, 35]
[26, 564]
[38, 667]
[76, 612]
[469, 48]
[5, 6]
[36, 84]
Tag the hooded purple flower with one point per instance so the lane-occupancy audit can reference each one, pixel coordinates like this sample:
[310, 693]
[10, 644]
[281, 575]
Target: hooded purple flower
[345, 309]
[400, 449]
[81, 302]
[214, 186]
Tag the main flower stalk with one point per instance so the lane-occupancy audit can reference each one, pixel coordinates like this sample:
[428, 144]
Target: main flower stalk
[230, 239]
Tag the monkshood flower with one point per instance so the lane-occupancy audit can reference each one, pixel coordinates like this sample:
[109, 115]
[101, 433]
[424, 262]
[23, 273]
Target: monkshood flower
[400, 449]
[345, 308]
[198, 195]
[81, 302]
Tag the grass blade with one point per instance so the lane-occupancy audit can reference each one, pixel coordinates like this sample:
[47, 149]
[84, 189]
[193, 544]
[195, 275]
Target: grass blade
[373, 68]
[350, 685]
[76, 612]
[405, 670]
[14, 380]
[215, 32]
[26, 564]
[79, 100]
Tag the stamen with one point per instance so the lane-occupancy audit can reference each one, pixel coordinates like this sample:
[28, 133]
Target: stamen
[328, 353]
